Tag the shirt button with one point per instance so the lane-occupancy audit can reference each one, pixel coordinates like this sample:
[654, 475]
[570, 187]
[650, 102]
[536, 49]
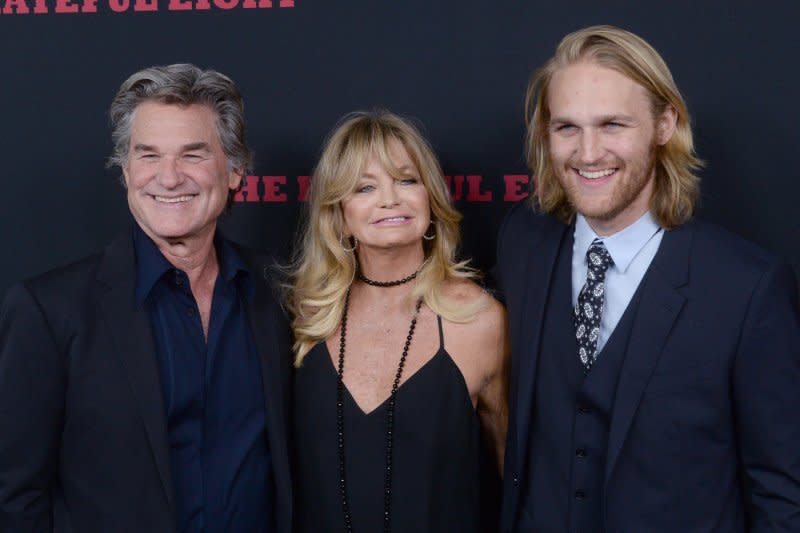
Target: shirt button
[580, 495]
[580, 452]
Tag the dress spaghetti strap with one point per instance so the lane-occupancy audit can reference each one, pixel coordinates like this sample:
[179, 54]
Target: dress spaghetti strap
[441, 333]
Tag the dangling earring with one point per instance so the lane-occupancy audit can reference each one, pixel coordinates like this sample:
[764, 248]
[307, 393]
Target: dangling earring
[345, 248]
[433, 236]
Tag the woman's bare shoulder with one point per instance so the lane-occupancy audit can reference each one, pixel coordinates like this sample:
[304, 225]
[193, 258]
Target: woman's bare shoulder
[490, 317]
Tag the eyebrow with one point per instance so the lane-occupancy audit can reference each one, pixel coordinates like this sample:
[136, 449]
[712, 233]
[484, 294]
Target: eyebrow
[139, 147]
[615, 118]
[405, 168]
[200, 145]
[196, 146]
[598, 120]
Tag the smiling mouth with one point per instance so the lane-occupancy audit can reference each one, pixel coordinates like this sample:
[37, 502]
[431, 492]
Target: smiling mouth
[392, 220]
[595, 174]
[172, 199]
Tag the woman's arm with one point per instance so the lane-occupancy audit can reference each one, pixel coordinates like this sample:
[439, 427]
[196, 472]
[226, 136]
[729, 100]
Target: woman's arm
[493, 395]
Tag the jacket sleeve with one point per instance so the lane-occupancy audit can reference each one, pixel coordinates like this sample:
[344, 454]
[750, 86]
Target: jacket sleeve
[495, 280]
[32, 389]
[766, 396]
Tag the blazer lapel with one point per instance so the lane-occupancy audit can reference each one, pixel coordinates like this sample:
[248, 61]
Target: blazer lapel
[271, 335]
[659, 306]
[537, 270]
[132, 337]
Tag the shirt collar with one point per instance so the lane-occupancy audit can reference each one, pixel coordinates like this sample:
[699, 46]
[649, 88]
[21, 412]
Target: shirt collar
[624, 245]
[151, 265]
[232, 267]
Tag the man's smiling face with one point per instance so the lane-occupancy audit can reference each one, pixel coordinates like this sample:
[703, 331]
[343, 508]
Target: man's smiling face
[177, 174]
[602, 140]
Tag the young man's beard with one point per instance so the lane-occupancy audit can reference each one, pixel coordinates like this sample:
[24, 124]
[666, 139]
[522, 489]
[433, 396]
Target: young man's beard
[625, 192]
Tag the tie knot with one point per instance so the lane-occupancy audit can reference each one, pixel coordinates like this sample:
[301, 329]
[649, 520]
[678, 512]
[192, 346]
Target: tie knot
[598, 257]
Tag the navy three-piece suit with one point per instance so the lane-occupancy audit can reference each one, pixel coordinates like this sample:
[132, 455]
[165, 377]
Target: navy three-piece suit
[689, 421]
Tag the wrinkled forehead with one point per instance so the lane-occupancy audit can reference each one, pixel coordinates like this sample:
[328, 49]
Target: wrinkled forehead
[158, 120]
[166, 107]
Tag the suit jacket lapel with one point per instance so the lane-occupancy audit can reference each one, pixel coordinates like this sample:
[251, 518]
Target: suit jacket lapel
[539, 265]
[132, 336]
[271, 335]
[659, 306]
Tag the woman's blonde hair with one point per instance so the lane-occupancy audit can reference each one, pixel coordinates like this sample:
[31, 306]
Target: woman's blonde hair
[323, 269]
[676, 184]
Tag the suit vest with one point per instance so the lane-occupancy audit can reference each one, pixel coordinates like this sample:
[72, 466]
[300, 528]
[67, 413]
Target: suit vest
[571, 417]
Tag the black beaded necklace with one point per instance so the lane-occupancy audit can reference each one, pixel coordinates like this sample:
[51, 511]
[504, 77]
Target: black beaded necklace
[392, 283]
[387, 478]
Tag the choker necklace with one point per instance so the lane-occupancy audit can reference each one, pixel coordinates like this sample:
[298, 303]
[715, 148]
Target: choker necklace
[392, 283]
[387, 476]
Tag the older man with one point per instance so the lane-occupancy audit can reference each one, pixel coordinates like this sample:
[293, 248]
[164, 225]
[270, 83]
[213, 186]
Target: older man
[656, 358]
[144, 388]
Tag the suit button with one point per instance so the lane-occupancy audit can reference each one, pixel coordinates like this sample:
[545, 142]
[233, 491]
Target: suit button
[515, 481]
[583, 410]
[580, 495]
[580, 452]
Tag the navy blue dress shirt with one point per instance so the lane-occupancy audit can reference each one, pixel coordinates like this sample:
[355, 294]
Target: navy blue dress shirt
[213, 393]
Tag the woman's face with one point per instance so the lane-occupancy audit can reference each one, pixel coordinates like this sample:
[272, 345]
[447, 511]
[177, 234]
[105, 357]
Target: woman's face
[384, 212]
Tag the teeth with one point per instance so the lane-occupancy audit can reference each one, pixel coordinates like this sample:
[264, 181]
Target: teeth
[394, 219]
[171, 200]
[593, 175]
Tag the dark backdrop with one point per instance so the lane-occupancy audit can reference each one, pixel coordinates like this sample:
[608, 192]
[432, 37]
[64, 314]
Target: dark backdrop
[460, 66]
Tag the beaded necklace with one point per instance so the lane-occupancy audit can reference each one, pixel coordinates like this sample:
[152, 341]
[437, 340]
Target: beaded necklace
[387, 479]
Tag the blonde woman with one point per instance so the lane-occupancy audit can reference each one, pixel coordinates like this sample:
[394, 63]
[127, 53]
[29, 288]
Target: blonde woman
[400, 357]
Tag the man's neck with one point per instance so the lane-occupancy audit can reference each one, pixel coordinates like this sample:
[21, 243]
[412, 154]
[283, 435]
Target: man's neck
[196, 256]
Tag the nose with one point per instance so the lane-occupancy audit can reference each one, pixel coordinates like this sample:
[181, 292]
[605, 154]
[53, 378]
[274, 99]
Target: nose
[589, 149]
[388, 194]
[169, 173]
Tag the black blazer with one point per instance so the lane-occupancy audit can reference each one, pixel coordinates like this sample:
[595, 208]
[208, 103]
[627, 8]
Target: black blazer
[705, 431]
[83, 440]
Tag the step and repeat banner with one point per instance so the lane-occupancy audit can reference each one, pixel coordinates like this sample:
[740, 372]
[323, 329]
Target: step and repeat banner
[458, 66]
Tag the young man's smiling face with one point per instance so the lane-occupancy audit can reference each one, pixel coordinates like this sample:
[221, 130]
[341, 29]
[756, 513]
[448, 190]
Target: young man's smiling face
[602, 139]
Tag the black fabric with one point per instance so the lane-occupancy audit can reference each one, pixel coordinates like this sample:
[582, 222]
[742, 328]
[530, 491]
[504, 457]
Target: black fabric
[84, 435]
[436, 452]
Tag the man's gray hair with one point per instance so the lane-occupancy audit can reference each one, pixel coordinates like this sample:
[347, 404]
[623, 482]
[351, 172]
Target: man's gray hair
[182, 84]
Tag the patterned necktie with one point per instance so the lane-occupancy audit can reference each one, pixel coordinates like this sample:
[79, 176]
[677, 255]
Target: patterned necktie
[590, 303]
